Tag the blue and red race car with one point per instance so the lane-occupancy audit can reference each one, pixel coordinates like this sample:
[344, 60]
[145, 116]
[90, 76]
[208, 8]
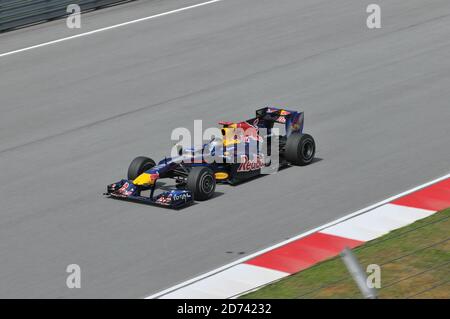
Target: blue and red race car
[242, 152]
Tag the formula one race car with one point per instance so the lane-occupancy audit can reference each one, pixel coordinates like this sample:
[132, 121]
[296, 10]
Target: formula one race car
[235, 156]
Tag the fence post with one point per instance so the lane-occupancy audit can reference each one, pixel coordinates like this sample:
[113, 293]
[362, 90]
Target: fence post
[358, 274]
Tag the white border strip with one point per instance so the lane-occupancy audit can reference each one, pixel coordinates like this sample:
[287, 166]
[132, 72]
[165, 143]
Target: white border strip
[339, 220]
[231, 282]
[107, 28]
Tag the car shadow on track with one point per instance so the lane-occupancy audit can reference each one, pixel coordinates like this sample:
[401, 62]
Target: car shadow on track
[315, 160]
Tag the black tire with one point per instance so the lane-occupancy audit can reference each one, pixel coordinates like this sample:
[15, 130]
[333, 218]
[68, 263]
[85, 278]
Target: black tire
[201, 182]
[138, 166]
[300, 149]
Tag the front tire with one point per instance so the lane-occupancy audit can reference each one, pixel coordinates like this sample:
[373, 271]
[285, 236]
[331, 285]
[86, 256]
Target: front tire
[201, 182]
[300, 149]
[138, 166]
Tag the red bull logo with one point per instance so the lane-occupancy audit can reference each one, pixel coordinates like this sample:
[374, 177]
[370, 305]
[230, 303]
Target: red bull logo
[248, 165]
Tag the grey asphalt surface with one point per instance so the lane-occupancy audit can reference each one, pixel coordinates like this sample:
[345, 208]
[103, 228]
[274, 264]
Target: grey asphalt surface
[73, 115]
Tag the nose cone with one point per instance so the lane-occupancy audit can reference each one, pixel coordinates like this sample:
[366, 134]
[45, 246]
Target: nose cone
[145, 179]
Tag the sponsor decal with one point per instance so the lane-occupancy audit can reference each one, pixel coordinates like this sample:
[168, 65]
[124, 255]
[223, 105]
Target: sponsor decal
[281, 111]
[281, 119]
[295, 126]
[249, 138]
[248, 165]
[171, 197]
[164, 200]
[183, 196]
[124, 190]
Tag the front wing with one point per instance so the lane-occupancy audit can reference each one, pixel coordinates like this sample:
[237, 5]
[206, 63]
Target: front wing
[126, 190]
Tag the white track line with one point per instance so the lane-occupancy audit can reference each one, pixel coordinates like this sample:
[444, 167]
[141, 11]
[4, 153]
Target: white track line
[339, 220]
[107, 28]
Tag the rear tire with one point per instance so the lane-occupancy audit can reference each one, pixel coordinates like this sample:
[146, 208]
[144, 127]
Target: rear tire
[201, 182]
[300, 149]
[138, 166]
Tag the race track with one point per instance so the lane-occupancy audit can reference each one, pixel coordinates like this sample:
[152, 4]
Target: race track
[74, 114]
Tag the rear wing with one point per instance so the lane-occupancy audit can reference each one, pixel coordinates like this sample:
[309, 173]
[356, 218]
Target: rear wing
[293, 120]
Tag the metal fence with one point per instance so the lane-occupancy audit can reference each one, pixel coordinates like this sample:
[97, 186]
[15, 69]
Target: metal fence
[17, 13]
